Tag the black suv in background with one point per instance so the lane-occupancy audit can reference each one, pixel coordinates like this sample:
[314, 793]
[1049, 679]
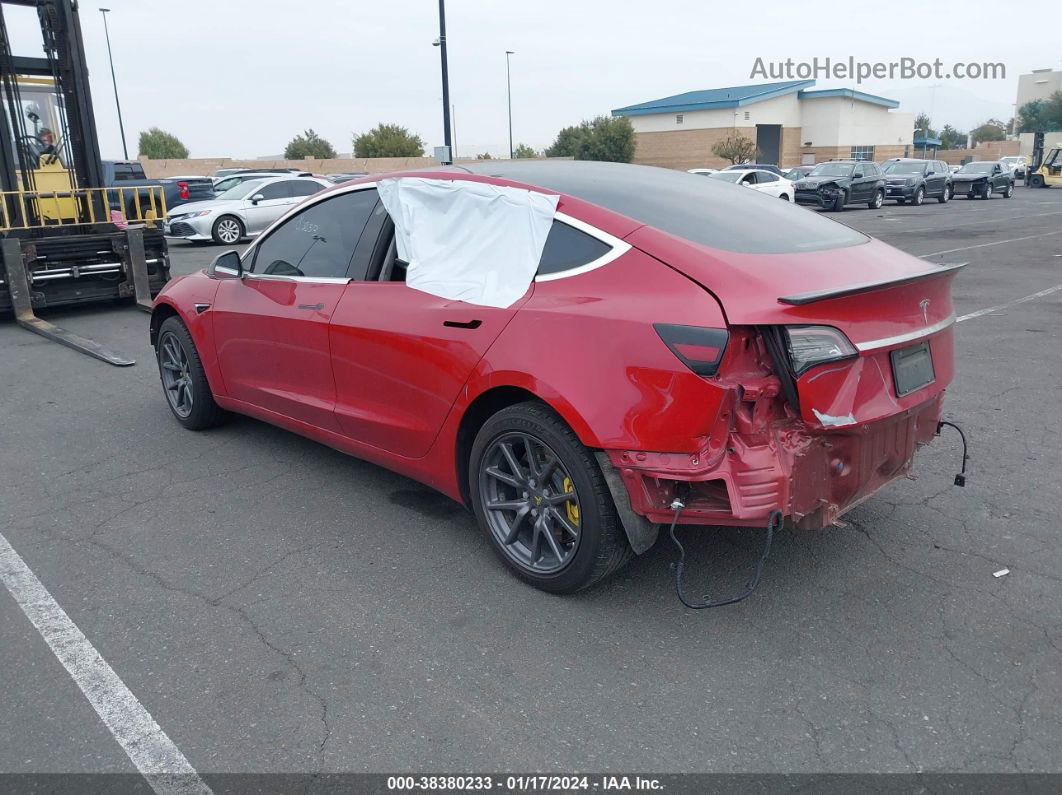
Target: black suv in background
[913, 180]
[983, 178]
[836, 183]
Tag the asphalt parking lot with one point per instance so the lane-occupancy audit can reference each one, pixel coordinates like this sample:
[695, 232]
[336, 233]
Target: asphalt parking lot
[277, 606]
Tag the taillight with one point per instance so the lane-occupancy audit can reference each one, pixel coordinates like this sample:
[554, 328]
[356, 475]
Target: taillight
[809, 346]
[184, 189]
[700, 349]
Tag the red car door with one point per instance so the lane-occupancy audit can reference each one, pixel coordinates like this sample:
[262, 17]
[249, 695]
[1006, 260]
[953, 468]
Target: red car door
[271, 327]
[401, 356]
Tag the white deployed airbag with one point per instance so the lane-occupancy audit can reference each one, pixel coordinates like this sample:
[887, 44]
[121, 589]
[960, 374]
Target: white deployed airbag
[468, 241]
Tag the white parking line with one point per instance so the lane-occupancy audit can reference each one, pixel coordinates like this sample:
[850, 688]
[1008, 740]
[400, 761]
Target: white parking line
[995, 243]
[1016, 301]
[142, 739]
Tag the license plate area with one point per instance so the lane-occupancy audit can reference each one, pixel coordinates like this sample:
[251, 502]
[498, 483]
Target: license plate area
[912, 368]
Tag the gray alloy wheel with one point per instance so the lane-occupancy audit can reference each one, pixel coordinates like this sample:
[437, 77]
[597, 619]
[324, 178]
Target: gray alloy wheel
[530, 503]
[1009, 191]
[919, 196]
[227, 231]
[174, 368]
[945, 195]
[877, 201]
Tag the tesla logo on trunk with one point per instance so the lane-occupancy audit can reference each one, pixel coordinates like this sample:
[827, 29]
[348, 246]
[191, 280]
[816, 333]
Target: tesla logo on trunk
[924, 303]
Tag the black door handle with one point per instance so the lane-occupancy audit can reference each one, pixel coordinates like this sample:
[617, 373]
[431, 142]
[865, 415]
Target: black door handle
[459, 324]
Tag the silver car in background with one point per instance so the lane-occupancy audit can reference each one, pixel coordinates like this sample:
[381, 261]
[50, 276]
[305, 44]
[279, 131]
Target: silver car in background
[242, 211]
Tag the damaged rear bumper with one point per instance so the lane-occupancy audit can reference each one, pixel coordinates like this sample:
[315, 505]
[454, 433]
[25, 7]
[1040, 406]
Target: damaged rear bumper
[812, 475]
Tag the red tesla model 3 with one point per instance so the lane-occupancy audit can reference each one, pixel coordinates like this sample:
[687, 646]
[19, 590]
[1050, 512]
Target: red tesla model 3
[683, 338]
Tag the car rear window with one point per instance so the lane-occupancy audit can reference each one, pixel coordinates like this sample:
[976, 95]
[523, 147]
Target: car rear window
[705, 211]
[566, 248]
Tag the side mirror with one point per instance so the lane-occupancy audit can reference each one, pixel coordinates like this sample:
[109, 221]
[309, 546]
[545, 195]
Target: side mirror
[257, 198]
[226, 266]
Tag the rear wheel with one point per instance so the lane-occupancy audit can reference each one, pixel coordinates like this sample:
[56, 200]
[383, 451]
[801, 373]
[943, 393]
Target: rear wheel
[183, 380]
[227, 231]
[1037, 181]
[877, 201]
[542, 501]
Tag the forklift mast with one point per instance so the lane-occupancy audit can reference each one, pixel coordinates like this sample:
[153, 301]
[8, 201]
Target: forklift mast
[66, 237]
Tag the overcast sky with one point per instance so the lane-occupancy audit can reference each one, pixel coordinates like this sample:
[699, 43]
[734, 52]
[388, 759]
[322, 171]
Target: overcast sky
[239, 78]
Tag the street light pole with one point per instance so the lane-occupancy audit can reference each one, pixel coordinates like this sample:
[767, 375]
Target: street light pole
[445, 79]
[114, 81]
[509, 87]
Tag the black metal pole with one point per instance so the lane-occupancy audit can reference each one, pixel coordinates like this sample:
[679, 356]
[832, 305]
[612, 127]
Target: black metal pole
[509, 88]
[114, 80]
[445, 78]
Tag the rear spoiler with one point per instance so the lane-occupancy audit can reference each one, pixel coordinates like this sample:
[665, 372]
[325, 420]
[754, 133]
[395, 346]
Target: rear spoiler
[824, 295]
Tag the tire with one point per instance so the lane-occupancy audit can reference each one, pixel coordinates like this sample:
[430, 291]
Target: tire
[877, 201]
[945, 195]
[597, 549]
[987, 192]
[919, 196]
[1009, 191]
[840, 202]
[186, 389]
[1037, 181]
[228, 230]
[783, 197]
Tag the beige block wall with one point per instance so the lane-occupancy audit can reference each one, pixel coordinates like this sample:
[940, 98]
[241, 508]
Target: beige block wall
[987, 150]
[789, 155]
[684, 149]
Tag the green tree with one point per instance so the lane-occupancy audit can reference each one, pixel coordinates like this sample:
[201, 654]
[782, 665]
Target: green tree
[388, 140]
[736, 148]
[157, 144]
[1041, 115]
[603, 138]
[991, 130]
[950, 138]
[309, 144]
[568, 141]
[524, 151]
[922, 124]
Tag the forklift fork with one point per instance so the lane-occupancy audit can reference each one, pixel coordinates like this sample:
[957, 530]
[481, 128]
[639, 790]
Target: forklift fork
[18, 285]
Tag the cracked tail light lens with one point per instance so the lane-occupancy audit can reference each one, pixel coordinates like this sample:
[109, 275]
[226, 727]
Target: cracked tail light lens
[809, 346]
[700, 349]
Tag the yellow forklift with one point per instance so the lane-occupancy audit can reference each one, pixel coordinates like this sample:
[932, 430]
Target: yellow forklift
[65, 236]
[1044, 171]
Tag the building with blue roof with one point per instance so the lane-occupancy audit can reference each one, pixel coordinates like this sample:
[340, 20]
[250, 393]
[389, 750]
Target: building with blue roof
[790, 122]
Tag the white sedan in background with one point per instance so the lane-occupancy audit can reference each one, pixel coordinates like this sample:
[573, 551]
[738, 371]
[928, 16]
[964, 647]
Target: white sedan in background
[242, 211]
[758, 179]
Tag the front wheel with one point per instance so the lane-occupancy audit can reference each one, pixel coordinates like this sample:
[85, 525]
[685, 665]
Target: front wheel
[1009, 191]
[987, 192]
[945, 195]
[919, 197]
[877, 201]
[784, 197]
[839, 202]
[1037, 181]
[542, 501]
[183, 380]
[227, 231]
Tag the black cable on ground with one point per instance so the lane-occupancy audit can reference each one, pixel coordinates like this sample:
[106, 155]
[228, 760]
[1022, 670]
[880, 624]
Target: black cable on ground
[774, 523]
[960, 479]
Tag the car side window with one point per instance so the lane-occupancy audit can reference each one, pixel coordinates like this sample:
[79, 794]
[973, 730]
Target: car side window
[857, 172]
[567, 247]
[763, 177]
[320, 240]
[275, 190]
[304, 187]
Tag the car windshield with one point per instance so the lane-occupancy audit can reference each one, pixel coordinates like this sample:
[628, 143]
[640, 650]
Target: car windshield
[727, 176]
[832, 170]
[794, 173]
[242, 190]
[905, 168]
[976, 168]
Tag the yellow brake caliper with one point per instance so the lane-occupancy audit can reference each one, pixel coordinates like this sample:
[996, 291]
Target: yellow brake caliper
[571, 507]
